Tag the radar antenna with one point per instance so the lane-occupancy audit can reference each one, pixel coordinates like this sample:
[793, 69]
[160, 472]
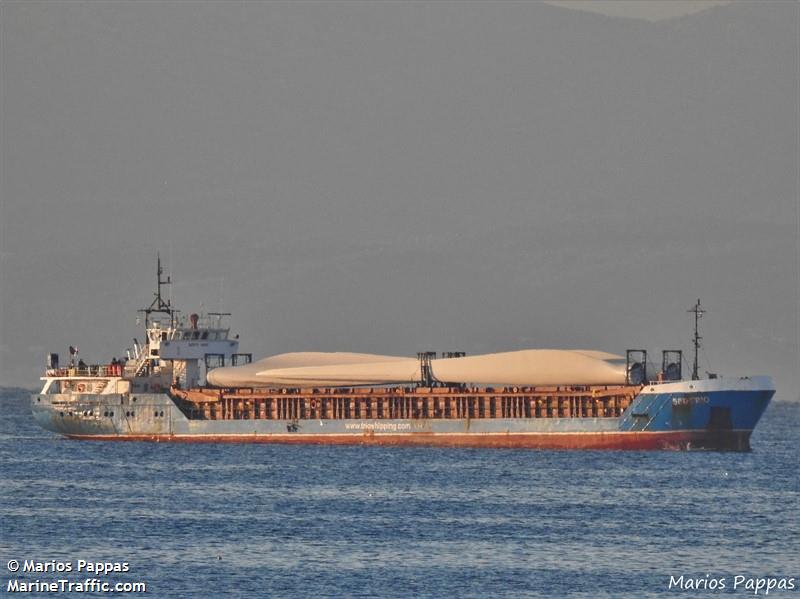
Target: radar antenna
[698, 314]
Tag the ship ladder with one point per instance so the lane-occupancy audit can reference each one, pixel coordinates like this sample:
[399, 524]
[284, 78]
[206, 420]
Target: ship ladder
[142, 365]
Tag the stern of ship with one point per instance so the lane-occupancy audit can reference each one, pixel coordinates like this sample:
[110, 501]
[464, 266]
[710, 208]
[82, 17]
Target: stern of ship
[106, 417]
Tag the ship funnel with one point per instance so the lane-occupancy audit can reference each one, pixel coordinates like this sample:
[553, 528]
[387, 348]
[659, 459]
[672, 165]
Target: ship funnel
[193, 318]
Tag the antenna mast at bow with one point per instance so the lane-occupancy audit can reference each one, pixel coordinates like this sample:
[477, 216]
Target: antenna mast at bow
[698, 314]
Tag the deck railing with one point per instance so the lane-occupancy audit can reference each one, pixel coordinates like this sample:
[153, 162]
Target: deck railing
[90, 371]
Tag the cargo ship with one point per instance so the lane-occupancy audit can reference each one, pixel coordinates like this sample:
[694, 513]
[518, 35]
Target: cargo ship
[188, 382]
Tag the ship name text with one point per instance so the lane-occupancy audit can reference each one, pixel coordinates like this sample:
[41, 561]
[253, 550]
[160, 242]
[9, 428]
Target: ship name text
[687, 400]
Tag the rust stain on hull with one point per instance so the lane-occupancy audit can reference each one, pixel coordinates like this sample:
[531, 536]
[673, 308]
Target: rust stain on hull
[734, 440]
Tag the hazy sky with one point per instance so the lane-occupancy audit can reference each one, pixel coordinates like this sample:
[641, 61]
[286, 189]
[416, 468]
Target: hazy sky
[397, 177]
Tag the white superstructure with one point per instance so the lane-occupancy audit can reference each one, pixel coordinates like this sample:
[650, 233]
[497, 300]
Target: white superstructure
[178, 350]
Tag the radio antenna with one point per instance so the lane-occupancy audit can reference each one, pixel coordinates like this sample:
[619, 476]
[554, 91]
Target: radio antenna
[159, 303]
[698, 314]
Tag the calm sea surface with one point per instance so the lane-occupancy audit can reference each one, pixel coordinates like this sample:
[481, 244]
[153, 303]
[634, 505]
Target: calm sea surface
[288, 521]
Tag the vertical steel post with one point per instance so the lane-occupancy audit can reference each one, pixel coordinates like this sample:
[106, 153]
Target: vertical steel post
[698, 314]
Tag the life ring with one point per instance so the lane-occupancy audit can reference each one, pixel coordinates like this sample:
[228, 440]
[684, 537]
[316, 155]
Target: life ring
[313, 404]
[81, 387]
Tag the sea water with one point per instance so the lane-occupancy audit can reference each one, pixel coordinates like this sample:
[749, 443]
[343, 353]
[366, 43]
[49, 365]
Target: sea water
[203, 520]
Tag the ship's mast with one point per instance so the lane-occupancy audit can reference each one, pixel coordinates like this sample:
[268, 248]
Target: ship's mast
[698, 314]
[159, 304]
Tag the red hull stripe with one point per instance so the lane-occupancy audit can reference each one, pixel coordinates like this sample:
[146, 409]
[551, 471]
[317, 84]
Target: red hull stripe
[582, 440]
